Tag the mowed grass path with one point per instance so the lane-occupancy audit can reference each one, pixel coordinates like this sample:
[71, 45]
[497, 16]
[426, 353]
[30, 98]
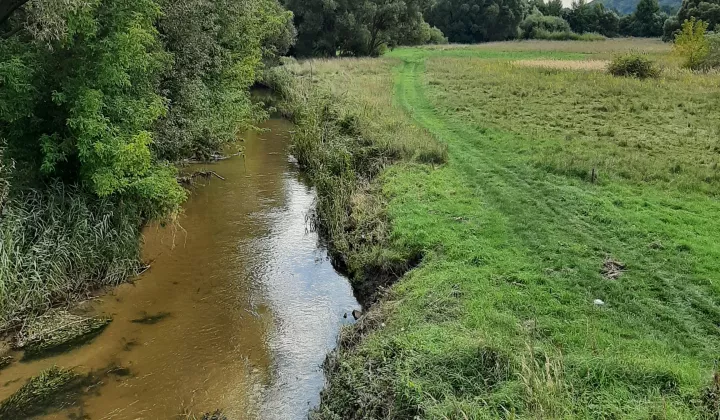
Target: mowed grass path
[500, 319]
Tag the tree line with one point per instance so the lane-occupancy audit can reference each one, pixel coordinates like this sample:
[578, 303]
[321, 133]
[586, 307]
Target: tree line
[368, 27]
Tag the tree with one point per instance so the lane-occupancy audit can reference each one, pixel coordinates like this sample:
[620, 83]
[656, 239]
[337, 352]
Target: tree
[706, 10]
[584, 17]
[534, 23]
[646, 21]
[100, 93]
[353, 27]
[468, 21]
[551, 8]
[218, 48]
[8, 7]
[691, 43]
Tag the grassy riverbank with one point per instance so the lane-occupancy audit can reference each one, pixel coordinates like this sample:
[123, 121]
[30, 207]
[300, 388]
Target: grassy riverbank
[562, 186]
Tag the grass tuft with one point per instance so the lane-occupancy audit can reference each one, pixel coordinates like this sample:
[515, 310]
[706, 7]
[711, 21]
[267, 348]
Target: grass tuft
[59, 331]
[38, 393]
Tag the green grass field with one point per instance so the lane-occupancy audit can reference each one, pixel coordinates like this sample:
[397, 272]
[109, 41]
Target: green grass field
[555, 177]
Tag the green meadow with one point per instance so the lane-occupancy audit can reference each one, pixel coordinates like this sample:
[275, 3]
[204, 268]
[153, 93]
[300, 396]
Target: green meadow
[565, 220]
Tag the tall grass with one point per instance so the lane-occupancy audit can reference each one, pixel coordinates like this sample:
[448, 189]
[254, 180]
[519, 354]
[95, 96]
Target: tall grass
[58, 244]
[566, 36]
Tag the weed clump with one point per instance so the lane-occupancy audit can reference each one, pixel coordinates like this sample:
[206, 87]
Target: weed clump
[59, 331]
[633, 65]
[5, 361]
[38, 393]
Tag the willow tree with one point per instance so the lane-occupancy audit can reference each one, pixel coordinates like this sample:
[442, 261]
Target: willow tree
[354, 27]
[468, 21]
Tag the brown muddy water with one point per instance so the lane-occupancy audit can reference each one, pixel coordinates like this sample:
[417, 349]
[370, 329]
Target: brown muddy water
[238, 315]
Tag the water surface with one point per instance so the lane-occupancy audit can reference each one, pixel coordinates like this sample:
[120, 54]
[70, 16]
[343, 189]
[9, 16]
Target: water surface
[237, 312]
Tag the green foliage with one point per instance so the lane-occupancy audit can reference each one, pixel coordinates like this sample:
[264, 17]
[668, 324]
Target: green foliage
[646, 21]
[423, 35]
[586, 17]
[470, 21]
[627, 7]
[354, 27]
[691, 44]
[567, 36]
[633, 65]
[712, 59]
[551, 8]
[96, 96]
[85, 112]
[533, 23]
[218, 49]
[706, 10]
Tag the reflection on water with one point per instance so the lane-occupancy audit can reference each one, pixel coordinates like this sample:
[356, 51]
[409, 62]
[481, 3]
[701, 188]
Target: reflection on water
[252, 305]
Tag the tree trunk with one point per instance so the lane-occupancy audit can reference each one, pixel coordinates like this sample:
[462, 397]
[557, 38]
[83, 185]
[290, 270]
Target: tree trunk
[7, 7]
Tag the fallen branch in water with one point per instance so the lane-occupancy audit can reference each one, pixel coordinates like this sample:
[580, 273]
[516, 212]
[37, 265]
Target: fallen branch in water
[213, 158]
[188, 179]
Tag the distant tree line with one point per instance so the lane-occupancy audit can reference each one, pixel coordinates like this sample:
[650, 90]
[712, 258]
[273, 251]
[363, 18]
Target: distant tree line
[358, 27]
[368, 27]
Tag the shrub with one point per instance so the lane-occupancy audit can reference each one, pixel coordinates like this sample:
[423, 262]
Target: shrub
[567, 36]
[712, 59]
[633, 65]
[534, 23]
[435, 36]
[691, 44]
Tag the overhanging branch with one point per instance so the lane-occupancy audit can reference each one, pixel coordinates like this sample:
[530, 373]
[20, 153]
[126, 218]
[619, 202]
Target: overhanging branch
[7, 7]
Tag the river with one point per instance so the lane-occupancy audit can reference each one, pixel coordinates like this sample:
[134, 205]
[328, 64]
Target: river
[237, 312]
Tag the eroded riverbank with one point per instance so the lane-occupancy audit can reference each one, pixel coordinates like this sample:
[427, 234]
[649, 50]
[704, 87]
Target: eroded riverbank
[237, 312]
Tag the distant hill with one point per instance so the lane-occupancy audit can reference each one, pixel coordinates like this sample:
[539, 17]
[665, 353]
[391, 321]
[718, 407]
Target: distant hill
[626, 7]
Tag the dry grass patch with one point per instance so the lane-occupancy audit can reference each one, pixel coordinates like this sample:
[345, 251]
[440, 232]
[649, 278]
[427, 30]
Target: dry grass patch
[565, 64]
[604, 47]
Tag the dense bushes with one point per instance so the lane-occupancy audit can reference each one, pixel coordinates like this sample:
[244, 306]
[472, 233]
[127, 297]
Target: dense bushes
[585, 17]
[355, 27]
[633, 65]
[553, 28]
[646, 21]
[706, 10]
[95, 98]
[468, 21]
[691, 44]
[533, 23]
[218, 47]
[712, 59]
